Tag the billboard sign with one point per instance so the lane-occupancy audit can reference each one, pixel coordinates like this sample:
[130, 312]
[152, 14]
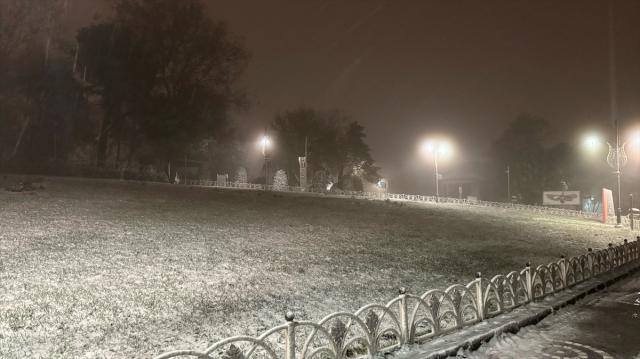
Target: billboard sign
[608, 209]
[558, 198]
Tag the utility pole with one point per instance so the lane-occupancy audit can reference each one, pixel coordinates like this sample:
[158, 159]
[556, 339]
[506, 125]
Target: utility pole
[618, 215]
[614, 109]
[437, 178]
[508, 187]
[264, 153]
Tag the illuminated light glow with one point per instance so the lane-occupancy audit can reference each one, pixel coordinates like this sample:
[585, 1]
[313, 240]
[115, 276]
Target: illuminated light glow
[592, 141]
[427, 147]
[434, 146]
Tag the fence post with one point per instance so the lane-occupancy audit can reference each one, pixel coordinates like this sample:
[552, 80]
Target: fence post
[404, 315]
[625, 252]
[610, 251]
[563, 272]
[528, 280]
[590, 261]
[479, 299]
[290, 339]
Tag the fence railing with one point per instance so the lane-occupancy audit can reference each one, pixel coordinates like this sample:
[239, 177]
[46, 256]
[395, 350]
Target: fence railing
[410, 318]
[625, 221]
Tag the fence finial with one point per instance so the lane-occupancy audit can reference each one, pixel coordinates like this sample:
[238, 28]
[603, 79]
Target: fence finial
[289, 316]
[528, 264]
[590, 249]
[610, 245]
[562, 256]
[625, 241]
[478, 275]
[402, 290]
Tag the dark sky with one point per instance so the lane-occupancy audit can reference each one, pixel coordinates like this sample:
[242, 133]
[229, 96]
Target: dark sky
[408, 70]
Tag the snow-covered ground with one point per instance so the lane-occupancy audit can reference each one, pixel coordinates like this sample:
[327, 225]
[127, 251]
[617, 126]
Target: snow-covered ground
[112, 269]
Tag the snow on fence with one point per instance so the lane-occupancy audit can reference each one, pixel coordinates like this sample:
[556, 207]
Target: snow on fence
[418, 198]
[409, 318]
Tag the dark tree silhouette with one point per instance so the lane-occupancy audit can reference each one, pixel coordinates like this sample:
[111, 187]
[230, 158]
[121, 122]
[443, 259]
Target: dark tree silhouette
[336, 147]
[166, 75]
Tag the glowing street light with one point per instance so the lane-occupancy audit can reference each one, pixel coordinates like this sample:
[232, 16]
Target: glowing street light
[436, 147]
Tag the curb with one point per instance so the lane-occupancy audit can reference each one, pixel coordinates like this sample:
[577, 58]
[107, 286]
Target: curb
[475, 336]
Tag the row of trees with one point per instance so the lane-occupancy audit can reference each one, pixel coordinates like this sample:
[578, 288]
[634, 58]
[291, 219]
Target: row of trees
[540, 161]
[152, 83]
[336, 150]
[156, 79]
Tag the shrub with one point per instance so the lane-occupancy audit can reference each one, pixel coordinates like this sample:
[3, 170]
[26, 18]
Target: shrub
[240, 176]
[280, 180]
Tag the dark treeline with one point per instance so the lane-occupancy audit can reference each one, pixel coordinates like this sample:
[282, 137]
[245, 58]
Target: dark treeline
[336, 150]
[153, 82]
[157, 80]
[539, 161]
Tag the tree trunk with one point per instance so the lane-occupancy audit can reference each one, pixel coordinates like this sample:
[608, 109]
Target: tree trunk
[1, 155]
[132, 146]
[24, 127]
[103, 136]
[119, 139]
[340, 174]
[118, 149]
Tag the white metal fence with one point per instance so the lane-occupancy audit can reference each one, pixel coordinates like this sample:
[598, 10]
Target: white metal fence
[409, 318]
[419, 198]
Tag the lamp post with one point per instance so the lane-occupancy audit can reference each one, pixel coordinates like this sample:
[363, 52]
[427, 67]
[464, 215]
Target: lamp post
[436, 147]
[615, 158]
[619, 155]
[383, 184]
[265, 144]
[508, 186]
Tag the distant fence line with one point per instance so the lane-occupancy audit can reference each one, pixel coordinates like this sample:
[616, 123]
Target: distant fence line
[409, 318]
[118, 166]
[419, 198]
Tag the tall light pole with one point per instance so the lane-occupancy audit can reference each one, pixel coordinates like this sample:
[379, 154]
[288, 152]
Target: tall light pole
[436, 147]
[616, 158]
[619, 156]
[508, 186]
[437, 178]
[614, 109]
[265, 144]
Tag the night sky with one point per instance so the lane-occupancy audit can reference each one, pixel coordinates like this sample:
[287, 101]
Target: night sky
[408, 70]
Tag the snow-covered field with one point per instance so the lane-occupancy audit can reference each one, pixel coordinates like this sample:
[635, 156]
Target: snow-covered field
[112, 269]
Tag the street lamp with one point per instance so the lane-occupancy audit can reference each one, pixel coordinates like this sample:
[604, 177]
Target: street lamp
[265, 154]
[615, 158]
[384, 184]
[436, 147]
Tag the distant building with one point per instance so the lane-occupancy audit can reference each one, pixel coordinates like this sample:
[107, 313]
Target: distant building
[452, 181]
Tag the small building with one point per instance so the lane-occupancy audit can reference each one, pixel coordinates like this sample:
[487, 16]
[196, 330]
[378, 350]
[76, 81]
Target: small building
[451, 183]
